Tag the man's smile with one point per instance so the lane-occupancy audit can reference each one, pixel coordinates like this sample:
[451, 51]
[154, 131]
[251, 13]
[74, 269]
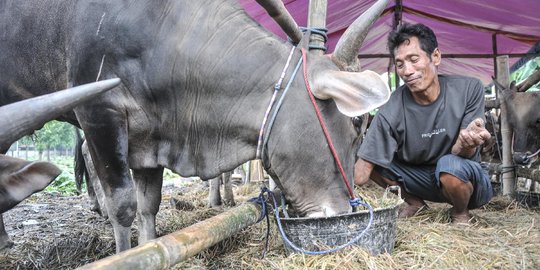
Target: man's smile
[413, 80]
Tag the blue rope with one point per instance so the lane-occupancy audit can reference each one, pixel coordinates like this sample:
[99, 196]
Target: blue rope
[264, 213]
[262, 201]
[318, 31]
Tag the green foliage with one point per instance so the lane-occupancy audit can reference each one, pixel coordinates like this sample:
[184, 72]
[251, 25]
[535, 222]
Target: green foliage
[169, 175]
[65, 182]
[525, 71]
[392, 76]
[54, 134]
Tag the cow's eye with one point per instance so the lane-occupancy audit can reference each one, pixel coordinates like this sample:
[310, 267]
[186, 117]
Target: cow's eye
[357, 123]
[538, 121]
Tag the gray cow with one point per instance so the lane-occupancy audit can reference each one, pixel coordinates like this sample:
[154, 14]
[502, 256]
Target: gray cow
[524, 119]
[20, 178]
[197, 78]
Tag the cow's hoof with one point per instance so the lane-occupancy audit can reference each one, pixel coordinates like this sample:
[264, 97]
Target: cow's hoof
[95, 208]
[215, 206]
[5, 242]
[229, 203]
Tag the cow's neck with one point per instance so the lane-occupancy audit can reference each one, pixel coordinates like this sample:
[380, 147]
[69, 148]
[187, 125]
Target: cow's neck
[219, 108]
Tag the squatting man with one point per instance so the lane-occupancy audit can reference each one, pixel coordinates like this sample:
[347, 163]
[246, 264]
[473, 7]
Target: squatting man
[426, 138]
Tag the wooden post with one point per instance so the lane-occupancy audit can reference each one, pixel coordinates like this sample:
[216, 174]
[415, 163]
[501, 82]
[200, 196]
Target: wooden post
[317, 19]
[495, 61]
[168, 250]
[256, 171]
[508, 178]
[398, 17]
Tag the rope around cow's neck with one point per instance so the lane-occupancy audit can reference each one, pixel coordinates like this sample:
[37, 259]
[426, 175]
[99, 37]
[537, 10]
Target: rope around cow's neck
[533, 155]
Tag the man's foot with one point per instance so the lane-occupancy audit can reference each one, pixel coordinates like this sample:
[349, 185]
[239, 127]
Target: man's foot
[409, 210]
[461, 218]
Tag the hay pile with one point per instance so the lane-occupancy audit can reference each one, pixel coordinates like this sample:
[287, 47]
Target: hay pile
[504, 237]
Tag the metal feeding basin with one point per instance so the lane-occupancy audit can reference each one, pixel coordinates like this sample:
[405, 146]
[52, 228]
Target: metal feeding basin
[323, 233]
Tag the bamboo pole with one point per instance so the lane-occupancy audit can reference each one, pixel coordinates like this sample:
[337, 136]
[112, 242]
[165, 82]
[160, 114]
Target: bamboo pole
[508, 178]
[317, 19]
[173, 248]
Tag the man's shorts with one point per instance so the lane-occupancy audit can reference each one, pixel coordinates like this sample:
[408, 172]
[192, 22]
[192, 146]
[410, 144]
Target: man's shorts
[423, 181]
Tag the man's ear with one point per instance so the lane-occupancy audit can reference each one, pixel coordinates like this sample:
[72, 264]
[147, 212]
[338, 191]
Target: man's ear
[436, 56]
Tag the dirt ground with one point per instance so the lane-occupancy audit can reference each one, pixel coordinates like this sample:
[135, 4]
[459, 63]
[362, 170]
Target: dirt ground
[59, 232]
[51, 231]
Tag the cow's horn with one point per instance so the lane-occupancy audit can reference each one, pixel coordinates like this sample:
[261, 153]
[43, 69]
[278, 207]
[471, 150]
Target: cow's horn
[283, 18]
[346, 53]
[23, 117]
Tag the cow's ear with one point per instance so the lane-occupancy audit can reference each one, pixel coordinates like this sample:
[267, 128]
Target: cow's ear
[506, 92]
[355, 93]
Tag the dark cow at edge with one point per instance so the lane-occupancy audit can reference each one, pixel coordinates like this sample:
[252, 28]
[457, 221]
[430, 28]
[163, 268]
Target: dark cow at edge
[196, 79]
[524, 119]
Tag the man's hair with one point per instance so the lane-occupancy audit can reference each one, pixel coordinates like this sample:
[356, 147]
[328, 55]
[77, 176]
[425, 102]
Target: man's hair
[426, 37]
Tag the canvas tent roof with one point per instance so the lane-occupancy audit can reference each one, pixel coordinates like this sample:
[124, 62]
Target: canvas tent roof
[465, 29]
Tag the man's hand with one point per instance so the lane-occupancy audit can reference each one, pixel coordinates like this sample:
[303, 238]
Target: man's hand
[362, 171]
[471, 137]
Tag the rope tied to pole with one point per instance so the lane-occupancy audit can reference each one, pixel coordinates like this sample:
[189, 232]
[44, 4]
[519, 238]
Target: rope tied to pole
[264, 213]
[321, 31]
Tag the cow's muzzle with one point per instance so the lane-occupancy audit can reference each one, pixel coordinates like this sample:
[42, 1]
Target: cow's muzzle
[522, 158]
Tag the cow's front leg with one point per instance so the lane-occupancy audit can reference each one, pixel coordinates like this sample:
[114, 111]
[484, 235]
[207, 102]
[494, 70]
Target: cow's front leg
[148, 182]
[5, 242]
[107, 137]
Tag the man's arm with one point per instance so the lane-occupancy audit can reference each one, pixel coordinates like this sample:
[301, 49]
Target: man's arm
[362, 171]
[470, 138]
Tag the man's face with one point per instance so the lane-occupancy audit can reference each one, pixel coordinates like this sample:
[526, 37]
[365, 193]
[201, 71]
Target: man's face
[415, 67]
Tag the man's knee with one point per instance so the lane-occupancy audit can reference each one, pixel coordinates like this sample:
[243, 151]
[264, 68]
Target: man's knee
[451, 183]
[461, 168]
